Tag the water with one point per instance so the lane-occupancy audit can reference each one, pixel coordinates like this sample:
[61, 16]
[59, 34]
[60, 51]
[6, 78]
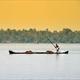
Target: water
[39, 66]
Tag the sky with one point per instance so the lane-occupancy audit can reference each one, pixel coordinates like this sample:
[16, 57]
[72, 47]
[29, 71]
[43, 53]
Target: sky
[40, 14]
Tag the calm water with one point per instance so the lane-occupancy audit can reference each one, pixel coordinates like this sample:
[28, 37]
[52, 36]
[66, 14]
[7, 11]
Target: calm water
[39, 66]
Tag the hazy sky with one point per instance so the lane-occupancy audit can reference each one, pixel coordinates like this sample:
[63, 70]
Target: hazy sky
[40, 14]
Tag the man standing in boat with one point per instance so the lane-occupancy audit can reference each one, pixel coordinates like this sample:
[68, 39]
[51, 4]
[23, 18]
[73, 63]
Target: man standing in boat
[57, 48]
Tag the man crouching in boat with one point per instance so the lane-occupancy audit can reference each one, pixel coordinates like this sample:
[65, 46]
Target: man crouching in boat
[57, 48]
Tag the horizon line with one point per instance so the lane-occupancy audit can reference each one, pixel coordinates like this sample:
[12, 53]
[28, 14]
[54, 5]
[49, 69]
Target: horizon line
[36, 29]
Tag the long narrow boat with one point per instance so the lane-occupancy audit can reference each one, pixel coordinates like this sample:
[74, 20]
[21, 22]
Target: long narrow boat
[30, 52]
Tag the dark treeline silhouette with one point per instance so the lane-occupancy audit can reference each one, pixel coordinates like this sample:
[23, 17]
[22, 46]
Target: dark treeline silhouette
[33, 36]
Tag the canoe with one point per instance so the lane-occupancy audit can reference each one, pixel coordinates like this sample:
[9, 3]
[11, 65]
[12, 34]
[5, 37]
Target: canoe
[30, 52]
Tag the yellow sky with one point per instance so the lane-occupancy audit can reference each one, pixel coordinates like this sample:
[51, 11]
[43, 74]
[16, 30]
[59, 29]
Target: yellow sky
[40, 14]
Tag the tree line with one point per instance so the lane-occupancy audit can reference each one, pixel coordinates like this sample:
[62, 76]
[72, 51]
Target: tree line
[34, 36]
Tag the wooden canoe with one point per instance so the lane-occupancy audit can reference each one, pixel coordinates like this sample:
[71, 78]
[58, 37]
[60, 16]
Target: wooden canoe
[30, 52]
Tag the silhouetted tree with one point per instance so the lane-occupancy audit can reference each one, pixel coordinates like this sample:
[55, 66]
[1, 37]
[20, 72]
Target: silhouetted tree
[33, 36]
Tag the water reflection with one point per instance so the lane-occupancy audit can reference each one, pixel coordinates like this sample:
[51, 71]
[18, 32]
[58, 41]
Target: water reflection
[57, 56]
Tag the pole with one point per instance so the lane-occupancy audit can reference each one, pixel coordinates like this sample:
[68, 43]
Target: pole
[50, 41]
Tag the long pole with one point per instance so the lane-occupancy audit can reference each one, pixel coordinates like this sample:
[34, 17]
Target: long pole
[50, 41]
